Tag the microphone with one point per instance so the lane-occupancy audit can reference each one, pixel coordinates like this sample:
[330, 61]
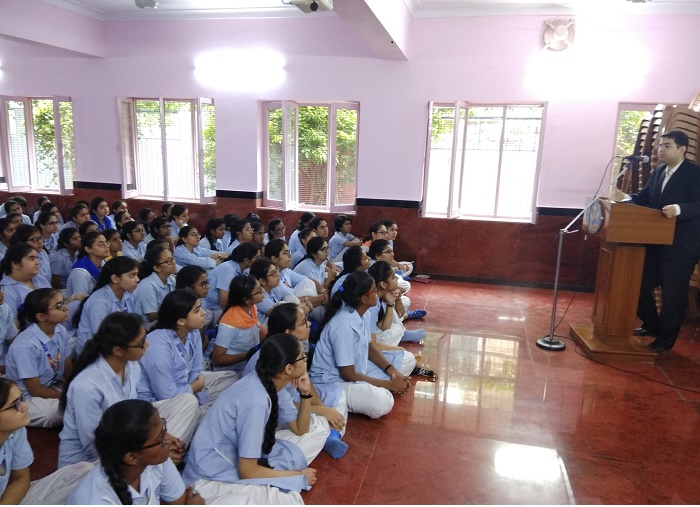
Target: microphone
[637, 158]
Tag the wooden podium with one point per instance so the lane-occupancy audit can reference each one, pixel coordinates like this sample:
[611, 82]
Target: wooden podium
[625, 230]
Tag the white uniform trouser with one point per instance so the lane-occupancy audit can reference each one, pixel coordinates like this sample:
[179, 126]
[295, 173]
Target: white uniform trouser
[215, 383]
[393, 335]
[55, 489]
[405, 287]
[227, 493]
[182, 415]
[408, 363]
[307, 288]
[342, 407]
[311, 443]
[44, 413]
[366, 399]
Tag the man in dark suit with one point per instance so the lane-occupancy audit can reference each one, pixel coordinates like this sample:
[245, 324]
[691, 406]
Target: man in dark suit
[674, 188]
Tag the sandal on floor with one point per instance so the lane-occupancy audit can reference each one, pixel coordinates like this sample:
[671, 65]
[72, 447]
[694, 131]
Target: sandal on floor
[416, 314]
[422, 372]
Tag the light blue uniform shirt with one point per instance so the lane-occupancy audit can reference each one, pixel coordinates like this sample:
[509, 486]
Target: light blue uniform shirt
[137, 253]
[220, 279]
[309, 269]
[62, 264]
[16, 292]
[288, 280]
[335, 245]
[3, 250]
[44, 264]
[232, 246]
[27, 357]
[158, 482]
[149, 294]
[169, 366]
[80, 281]
[93, 391]
[298, 256]
[268, 303]
[235, 427]
[101, 303]
[175, 229]
[236, 341]
[15, 454]
[197, 257]
[294, 242]
[8, 330]
[344, 342]
[218, 245]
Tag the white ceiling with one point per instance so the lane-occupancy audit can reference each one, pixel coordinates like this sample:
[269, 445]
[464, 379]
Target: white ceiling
[115, 10]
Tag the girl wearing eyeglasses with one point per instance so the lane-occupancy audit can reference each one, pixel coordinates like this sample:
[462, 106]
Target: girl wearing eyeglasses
[235, 451]
[105, 373]
[188, 252]
[172, 365]
[94, 249]
[133, 244]
[239, 329]
[39, 358]
[20, 275]
[156, 275]
[47, 223]
[32, 236]
[133, 443]
[265, 272]
[315, 264]
[345, 350]
[326, 422]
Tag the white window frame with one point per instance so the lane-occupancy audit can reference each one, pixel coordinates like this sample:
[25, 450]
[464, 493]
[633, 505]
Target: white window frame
[457, 163]
[5, 157]
[290, 155]
[130, 156]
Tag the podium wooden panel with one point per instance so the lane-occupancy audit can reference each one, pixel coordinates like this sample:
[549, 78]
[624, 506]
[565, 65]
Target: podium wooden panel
[625, 232]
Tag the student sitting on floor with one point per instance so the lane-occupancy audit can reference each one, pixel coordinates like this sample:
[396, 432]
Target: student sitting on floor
[155, 273]
[342, 239]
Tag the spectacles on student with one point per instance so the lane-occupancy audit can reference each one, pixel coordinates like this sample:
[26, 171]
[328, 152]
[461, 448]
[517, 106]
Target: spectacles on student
[161, 437]
[17, 404]
[288, 253]
[103, 244]
[390, 251]
[35, 239]
[273, 273]
[139, 346]
[305, 322]
[302, 358]
[195, 233]
[60, 306]
[203, 284]
[170, 260]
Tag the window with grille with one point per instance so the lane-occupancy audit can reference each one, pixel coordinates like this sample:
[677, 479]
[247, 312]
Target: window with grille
[169, 149]
[482, 161]
[36, 144]
[310, 155]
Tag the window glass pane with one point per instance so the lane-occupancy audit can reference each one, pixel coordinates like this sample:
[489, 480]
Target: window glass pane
[45, 144]
[19, 149]
[209, 146]
[345, 156]
[66, 111]
[179, 138]
[291, 195]
[440, 160]
[274, 150]
[149, 148]
[313, 155]
[127, 125]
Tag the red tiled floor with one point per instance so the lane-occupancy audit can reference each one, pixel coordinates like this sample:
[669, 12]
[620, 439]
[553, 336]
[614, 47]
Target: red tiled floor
[510, 423]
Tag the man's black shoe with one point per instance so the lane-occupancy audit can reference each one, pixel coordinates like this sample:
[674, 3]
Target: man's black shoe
[659, 347]
[640, 331]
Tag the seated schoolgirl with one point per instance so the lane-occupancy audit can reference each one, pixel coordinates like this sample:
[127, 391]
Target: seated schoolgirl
[166, 208]
[133, 244]
[213, 233]
[146, 216]
[65, 255]
[241, 232]
[258, 232]
[392, 231]
[331, 412]
[235, 450]
[160, 229]
[342, 239]
[293, 287]
[108, 372]
[17, 455]
[8, 330]
[114, 240]
[39, 358]
[304, 221]
[320, 226]
[354, 259]
[114, 293]
[179, 216]
[94, 249]
[47, 224]
[345, 350]
[275, 230]
[79, 214]
[302, 238]
[88, 226]
[265, 272]
[229, 220]
[172, 364]
[187, 251]
[31, 236]
[20, 275]
[377, 230]
[99, 213]
[220, 277]
[239, 329]
[7, 230]
[155, 273]
[315, 264]
[194, 278]
[133, 443]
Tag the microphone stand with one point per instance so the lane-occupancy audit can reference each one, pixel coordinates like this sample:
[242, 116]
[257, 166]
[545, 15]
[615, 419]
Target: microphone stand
[549, 342]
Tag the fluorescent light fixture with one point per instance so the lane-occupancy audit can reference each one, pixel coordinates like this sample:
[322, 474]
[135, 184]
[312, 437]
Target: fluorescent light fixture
[240, 70]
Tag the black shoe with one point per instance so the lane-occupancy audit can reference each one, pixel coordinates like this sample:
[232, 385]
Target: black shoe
[640, 331]
[659, 347]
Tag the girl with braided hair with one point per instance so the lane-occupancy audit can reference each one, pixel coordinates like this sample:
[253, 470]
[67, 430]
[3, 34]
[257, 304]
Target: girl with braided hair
[133, 444]
[235, 452]
[106, 372]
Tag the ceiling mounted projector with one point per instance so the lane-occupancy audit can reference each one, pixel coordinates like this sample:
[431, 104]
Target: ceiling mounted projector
[147, 4]
[308, 6]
